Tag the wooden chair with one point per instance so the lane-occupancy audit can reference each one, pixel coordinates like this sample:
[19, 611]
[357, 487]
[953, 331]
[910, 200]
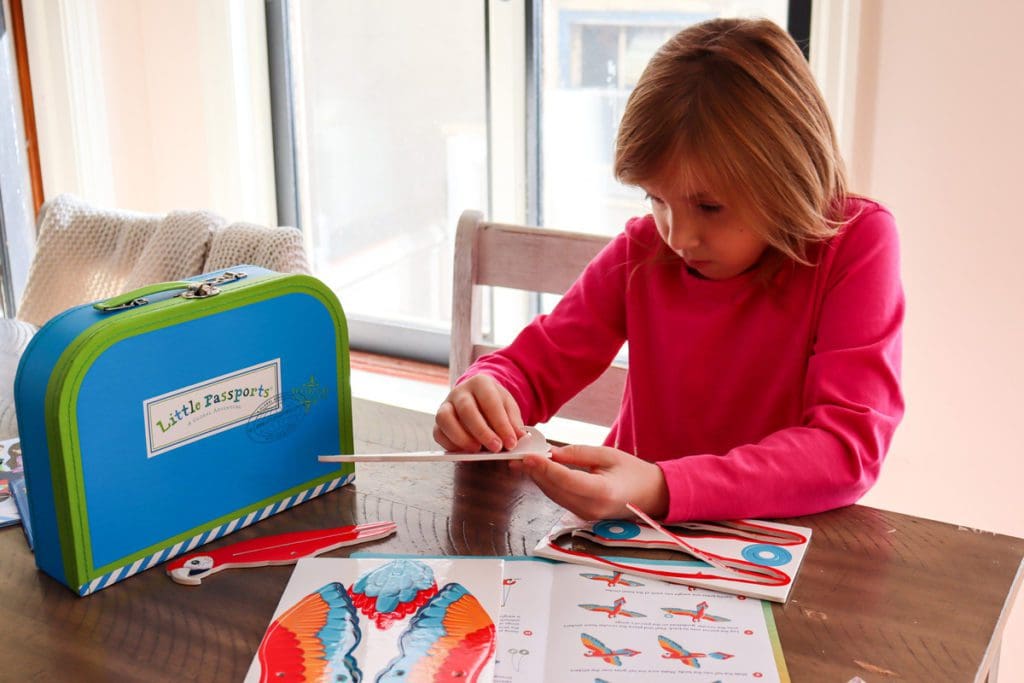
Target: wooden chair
[531, 259]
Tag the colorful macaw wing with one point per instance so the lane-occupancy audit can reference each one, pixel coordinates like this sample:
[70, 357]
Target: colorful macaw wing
[595, 646]
[393, 591]
[598, 649]
[672, 647]
[451, 639]
[595, 608]
[313, 640]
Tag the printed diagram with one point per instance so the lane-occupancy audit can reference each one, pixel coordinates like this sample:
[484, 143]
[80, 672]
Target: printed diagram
[614, 579]
[506, 587]
[674, 650]
[318, 637]
[699, 614]
[517, 655]
[595, 648]
[613, 610]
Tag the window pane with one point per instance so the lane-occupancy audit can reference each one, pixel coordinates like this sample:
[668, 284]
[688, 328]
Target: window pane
[391, 110]
[592, 55]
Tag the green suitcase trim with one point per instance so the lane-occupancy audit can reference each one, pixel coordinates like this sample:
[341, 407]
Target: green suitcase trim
[69, 372]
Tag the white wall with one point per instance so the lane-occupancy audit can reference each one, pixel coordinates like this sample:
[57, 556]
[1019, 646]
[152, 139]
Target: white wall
[939, 139]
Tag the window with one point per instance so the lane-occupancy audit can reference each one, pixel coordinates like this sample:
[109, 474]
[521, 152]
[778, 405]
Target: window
[404, 114]
[390, 127]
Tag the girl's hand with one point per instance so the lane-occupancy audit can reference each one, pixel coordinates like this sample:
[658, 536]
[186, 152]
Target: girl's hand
[610, 478]
[478, 412]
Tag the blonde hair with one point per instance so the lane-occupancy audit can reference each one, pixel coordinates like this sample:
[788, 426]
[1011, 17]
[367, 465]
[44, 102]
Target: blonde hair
[735, 99]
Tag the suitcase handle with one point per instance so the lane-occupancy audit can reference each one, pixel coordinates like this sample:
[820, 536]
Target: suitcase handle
[191, 290]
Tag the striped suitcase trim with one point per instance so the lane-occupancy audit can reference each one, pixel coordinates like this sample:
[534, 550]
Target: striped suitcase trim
[142, 564]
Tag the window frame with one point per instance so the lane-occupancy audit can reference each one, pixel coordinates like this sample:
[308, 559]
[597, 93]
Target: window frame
[17, 216]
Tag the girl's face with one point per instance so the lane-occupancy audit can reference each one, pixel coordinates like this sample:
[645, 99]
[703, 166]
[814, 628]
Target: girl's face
[712, 232]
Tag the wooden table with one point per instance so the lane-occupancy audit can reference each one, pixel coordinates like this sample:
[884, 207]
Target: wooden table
[881, 595]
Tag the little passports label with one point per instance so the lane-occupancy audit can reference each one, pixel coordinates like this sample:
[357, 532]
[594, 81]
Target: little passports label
[207, 408]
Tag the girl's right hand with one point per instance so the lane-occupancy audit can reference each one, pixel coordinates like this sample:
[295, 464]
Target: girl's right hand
[478, 413]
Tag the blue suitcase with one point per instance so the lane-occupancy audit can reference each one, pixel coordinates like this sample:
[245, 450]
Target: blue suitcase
[160, 420]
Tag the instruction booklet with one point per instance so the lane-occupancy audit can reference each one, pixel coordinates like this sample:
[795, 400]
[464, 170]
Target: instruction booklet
[374, 618]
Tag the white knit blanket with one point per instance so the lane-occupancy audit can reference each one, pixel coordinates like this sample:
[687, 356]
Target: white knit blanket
[84, 253]
[14, 337]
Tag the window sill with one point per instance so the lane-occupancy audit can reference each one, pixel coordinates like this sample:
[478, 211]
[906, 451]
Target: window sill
[396, 381]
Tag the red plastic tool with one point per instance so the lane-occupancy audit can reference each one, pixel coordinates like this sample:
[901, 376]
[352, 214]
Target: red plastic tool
[269, 550]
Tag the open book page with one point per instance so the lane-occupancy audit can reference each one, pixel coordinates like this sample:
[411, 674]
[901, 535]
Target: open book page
[566, 623]
[383, 619]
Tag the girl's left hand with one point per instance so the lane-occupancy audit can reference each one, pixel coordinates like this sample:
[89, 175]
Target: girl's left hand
[610, 478]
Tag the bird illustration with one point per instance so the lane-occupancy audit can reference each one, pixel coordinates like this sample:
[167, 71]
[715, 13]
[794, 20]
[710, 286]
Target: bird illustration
[269, 550]
[674, 650]
[595, 648]
[613, 610]
[614, 579]
[699, 614]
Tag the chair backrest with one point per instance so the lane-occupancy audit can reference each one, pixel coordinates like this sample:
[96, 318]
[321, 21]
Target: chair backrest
[530, 259]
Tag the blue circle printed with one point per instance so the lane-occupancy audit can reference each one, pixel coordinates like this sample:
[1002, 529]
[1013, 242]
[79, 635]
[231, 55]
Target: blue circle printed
[766, 555]
[617, 529]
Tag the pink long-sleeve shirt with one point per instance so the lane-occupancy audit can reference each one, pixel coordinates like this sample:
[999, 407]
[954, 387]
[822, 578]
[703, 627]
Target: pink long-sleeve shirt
[756, 398]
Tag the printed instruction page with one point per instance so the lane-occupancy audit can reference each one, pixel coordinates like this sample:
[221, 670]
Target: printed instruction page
[567, 623]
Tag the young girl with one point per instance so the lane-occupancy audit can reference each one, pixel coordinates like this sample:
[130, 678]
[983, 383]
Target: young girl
[761, 302]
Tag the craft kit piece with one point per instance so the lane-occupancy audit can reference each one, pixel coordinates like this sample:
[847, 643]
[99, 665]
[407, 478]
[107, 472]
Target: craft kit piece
[532, 443]
[415, 619]
[747, 557]
[271, 550]
[170, 416]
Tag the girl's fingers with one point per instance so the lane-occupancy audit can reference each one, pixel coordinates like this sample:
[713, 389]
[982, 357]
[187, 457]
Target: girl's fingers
[442, 440]
[585, 456]
[493, 402]
[449, 432]
[480, 412]
[472, 419]
[581, 492]
[512, 408]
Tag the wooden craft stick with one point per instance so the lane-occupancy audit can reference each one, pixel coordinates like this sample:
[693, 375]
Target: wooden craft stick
[534, 442]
